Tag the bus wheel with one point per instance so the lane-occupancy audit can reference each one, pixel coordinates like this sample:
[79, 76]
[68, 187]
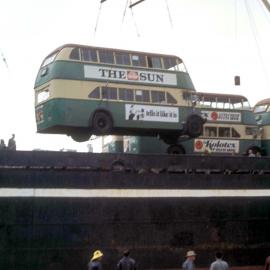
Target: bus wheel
[102, 123]
[176, 150]
[194, 125]
[80, 137]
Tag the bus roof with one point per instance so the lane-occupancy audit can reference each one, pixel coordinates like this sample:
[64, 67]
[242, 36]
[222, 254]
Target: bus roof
[263, 102]
[116, 50]
[212, 97]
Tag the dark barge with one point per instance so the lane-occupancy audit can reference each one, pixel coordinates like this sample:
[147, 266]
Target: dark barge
[59, 207]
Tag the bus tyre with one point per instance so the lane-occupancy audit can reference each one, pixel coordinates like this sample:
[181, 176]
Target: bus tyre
[194, 125]
[102, 123]
[80, 137]
[176, 150]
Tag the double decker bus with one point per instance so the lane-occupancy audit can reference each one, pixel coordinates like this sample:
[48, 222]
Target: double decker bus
[85, 90]
[262, 113]
[231, 128]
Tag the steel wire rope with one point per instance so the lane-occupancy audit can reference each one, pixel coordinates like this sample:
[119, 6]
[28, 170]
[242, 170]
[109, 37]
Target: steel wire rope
[98, 15]
[134, 20]
[125, 11]
[169, 13]
[254, 31]
[264, 12]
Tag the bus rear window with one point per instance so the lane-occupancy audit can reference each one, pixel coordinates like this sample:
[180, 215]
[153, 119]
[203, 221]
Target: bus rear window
[49, 59]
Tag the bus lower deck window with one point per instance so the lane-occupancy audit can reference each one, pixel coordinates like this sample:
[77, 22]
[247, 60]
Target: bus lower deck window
[95, 93]
[142, 95]
[158, 96]
[171, 99]
[109, 92]
[224, 132]
[235, 134]
[126, 94]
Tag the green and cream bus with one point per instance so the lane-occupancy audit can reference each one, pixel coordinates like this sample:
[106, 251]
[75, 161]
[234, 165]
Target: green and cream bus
[231, 129]
[84, 90]
[262, 112]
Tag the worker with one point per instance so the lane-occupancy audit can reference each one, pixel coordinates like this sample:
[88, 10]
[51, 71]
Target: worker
[126, 263]
[95, 262]
[12, 143]
[188, 264]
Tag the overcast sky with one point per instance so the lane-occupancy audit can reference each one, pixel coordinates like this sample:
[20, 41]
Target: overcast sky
[216, 39]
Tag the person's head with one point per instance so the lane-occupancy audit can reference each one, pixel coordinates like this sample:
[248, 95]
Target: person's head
[2, 141]
[191, 255]
[126, 252]
[13, 135]
[219, 255]
[97, 255]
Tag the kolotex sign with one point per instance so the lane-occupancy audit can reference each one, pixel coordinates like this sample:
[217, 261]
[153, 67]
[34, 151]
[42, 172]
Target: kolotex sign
[216, 146]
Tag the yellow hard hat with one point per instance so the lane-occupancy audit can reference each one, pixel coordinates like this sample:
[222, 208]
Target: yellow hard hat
[97, 254]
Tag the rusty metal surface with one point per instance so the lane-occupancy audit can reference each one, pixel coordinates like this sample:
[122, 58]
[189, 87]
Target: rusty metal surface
[34, 231]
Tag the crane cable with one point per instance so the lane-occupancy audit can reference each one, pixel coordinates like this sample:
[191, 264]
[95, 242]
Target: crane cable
[169, 13]
[266, 4]
[99, 11]
[125, 11]
[134, 20]
[4, 59]
[254, 31]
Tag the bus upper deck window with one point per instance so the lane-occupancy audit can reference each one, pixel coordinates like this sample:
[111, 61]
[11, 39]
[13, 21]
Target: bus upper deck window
[138, 60]
[75, 54]
[246, 105]
[106, 56]
[142, 95]
[122, 58]
[89, 54]
[169, 63]
[49, 59]
[154, 62]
